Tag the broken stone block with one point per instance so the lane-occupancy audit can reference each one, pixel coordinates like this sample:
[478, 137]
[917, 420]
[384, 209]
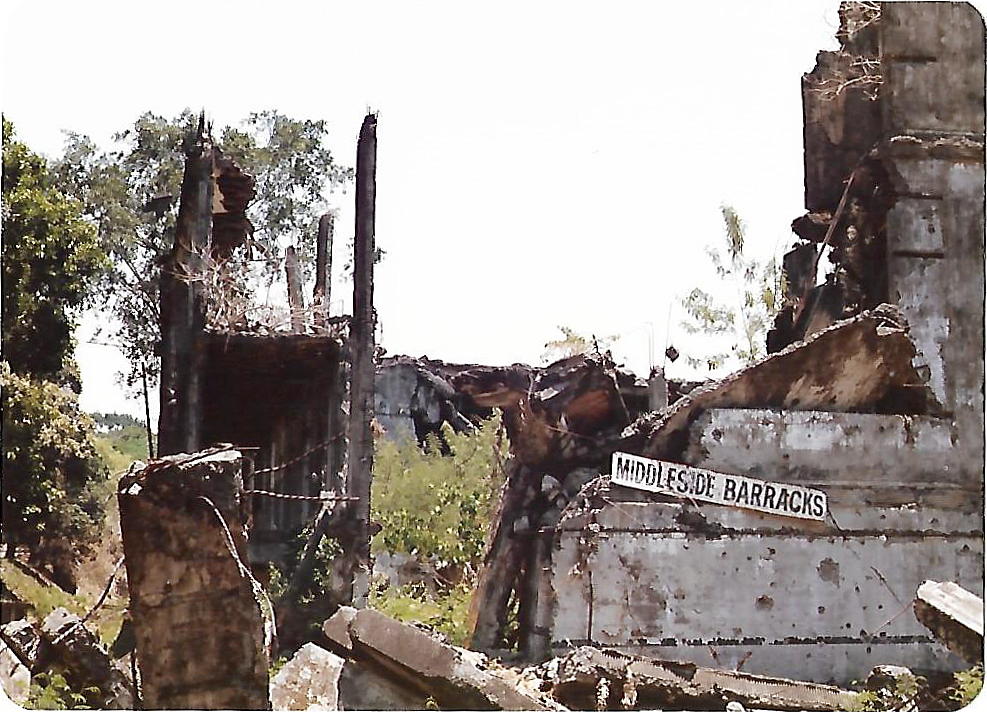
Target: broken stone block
[590, 678]
[25, 640]
[854, 365]
[954, 615]
[452, 677]
[15, 678]
[310, 680]
[202, 622]
[86, 661]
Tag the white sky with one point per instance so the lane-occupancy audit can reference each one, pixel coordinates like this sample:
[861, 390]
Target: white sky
[538, 164]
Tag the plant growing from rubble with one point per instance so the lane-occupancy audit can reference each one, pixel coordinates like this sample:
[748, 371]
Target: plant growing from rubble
[756, 286]
[434, 506]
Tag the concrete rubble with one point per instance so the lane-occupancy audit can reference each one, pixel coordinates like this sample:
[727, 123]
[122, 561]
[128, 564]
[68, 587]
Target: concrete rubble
[184, 546]
[954, 615]
[310, 680]
[422, 665]
[15, 677]
[62, 643]
[86, 661]
[594, 679]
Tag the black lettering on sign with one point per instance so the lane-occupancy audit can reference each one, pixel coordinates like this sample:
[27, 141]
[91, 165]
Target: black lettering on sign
[669, 473]
[652, 475]
[729, 489]
[623, 468]
[743, 492]
[682, 486]
[818, 505]
[769, 496]
[639, 470]
[756, 488]
[783, 498]
[792, 506]
[710, 480]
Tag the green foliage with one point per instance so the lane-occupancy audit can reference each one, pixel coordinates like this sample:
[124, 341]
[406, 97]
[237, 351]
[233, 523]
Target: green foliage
[130, 193]
[573, 344]
[437, 506]
[902, 695]
[51, 691]
[757, 287]
[50, 258]
[122, 439]
[444, 611]
[967, 685]
[50, 468]
[42, 598]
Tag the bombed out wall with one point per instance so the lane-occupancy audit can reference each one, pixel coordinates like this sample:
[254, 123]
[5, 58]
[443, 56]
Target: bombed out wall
[872, 395]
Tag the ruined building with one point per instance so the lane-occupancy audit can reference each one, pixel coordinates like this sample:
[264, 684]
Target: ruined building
[873, 394]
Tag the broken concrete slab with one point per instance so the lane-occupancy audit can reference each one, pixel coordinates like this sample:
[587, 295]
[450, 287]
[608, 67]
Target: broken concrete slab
[857, 364]
[15, 677]
[954, 615]
[310, 680]
[590, 678]
[190, 590]
[87, 663]
[453, 677]
[24, 638]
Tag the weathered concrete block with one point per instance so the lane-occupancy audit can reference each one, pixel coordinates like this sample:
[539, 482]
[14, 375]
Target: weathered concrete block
[25, 640]
[15, 678]
[310, 680]
[86, 661]
[954, 615]
[190, 589]
[417, 660]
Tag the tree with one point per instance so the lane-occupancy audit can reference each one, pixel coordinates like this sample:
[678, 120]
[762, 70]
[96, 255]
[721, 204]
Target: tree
[51, 258]
[756, 286]
[130, 194]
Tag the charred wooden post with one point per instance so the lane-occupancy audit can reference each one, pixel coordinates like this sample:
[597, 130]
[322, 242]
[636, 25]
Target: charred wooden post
[356, 540]
[212, 222]
[296, 300]
[323, 270]
[182, 303]
[202, 623]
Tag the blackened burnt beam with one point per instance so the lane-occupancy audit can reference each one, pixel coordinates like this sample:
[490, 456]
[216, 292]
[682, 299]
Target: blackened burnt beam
[361, 446]
[182, 304]
[296, 301]
[323, 270]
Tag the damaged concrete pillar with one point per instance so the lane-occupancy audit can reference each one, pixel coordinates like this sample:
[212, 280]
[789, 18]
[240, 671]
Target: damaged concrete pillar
[203, 624]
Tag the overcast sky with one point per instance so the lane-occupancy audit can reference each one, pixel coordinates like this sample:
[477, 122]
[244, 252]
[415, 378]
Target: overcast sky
[538, 164]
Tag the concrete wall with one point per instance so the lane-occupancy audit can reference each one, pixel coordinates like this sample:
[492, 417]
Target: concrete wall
[814, 447]
[719, 585]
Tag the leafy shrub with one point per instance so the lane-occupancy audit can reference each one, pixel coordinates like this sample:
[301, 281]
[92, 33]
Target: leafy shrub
[445, 612]
[434, 506]
[50, 468]
[51, 691]
[967, 685]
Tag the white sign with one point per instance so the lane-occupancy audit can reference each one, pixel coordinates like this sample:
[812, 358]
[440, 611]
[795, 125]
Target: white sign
[692, 482]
